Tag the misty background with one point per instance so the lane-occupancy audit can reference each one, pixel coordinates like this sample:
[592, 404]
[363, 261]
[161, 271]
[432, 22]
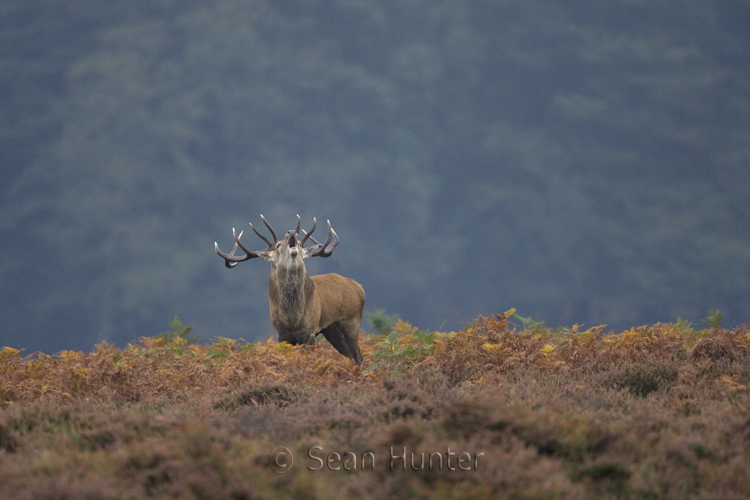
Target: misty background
[581, 161]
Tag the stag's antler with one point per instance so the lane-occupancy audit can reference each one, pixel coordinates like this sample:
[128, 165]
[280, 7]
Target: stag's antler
[307, 235]
[231, 260]
[326, 248]
[275, 239]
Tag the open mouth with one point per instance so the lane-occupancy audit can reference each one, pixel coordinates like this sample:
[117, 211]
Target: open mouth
[292, 241]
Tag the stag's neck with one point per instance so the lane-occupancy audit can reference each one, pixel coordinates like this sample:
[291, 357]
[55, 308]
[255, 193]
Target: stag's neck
[290, 289]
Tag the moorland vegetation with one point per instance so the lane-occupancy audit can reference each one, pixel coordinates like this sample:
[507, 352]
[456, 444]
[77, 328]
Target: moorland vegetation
[652, 412]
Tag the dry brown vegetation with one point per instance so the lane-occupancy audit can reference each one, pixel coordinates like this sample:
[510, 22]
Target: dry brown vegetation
[652, 412]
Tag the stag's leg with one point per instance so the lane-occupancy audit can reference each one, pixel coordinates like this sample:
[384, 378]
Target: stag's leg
[351, 337]
[336, 335]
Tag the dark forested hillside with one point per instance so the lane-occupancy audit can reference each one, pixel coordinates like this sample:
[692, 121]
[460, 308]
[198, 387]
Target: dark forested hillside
[585, 162]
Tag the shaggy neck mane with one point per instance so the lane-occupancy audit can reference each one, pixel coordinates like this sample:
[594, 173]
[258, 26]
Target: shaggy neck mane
[291, 285]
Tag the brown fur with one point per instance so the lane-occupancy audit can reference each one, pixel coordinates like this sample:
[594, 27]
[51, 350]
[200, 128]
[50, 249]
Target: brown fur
[302, 306]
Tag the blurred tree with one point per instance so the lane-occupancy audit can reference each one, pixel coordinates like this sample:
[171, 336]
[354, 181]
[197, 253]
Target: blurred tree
[584, 162]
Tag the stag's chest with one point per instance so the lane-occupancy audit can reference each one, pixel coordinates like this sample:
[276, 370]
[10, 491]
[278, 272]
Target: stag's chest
[293, 306]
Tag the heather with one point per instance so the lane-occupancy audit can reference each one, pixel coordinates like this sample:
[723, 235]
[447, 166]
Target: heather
[656, 411]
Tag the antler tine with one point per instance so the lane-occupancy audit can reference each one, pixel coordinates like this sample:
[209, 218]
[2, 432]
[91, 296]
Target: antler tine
[311, 238]
[226, 257]
[327, 247]
[270, 245]
[238, 242]
[275, 239]
[299, 220]
[230, 259]
[307, 235]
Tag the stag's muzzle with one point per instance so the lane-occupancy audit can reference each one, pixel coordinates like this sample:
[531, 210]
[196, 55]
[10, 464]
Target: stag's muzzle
[292, 237]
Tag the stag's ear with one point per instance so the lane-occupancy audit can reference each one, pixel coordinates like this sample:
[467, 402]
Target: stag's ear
[271, 255]
[307, 252]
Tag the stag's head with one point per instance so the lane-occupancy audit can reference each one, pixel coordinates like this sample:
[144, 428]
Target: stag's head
[288, 253]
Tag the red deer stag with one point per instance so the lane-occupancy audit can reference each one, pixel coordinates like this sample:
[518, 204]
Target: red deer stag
[303, 306]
